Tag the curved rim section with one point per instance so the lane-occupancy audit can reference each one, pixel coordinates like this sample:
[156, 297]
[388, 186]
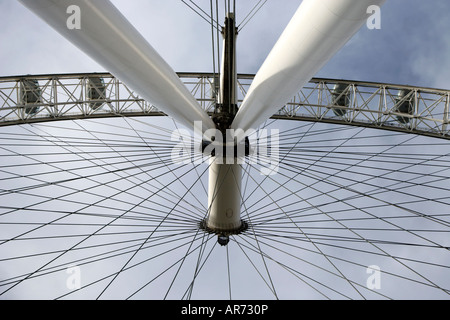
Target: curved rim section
[41, 98]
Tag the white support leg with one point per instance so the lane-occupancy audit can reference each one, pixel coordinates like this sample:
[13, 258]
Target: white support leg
[224, 198]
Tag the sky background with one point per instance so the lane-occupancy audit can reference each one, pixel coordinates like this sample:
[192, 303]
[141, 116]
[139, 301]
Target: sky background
[412, 47]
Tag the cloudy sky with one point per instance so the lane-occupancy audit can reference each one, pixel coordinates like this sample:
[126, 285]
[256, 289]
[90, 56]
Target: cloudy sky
[411, 47]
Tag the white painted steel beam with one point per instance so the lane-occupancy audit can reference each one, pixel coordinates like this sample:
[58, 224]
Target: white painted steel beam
[318, 30]
[110, 39]
[224, 191]
[224, 197]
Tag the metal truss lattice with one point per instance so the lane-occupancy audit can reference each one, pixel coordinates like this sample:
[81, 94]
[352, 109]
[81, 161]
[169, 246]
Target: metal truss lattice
[39, 98]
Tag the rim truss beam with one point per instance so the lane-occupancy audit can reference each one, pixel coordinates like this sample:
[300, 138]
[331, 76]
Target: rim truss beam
[40, 98]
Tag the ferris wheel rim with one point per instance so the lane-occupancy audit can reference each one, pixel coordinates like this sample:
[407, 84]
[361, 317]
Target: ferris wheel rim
[430, 118]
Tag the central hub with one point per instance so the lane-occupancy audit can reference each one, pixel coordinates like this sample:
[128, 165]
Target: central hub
[223, 236]
[223, 232]
[224, 196]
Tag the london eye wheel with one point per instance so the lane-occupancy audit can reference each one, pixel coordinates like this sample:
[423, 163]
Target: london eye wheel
[143, 183]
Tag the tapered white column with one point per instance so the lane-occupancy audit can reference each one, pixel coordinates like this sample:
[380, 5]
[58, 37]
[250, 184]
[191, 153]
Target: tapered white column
[318, 30]
[107, 37]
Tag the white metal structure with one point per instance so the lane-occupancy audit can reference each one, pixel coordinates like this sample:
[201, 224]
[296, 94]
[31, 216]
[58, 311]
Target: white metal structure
[126, 179]
[108, 38]
[315, 34]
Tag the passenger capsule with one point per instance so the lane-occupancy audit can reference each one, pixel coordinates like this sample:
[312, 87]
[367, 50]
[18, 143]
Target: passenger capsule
[30, 94]
[341, 98]
[404, 103]
[96, 91]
